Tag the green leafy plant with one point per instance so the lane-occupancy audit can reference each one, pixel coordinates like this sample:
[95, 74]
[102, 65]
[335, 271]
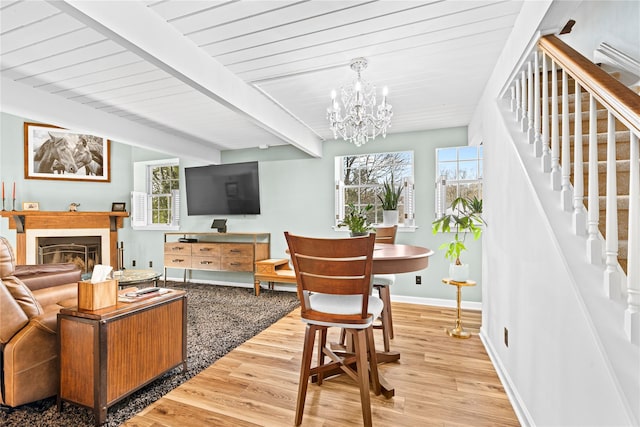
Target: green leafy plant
[465, 218]
[390, 195]
[356, 219]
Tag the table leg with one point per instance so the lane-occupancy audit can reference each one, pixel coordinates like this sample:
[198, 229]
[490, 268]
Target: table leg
[458, 332]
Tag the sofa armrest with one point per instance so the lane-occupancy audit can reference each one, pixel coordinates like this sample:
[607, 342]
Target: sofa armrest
[55, 294]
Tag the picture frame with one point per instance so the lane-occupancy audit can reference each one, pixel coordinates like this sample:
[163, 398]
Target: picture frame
[118, 207]
[30, 206]
[55, 153]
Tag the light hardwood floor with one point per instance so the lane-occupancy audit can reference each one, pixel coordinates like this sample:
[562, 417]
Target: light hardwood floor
[439, 381]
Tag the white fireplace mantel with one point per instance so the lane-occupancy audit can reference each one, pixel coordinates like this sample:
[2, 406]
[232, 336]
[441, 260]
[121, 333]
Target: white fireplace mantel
[30, 225]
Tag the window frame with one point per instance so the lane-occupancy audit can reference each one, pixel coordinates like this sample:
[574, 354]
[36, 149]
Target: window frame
[441, 204]
[142, 200]
[407, 221]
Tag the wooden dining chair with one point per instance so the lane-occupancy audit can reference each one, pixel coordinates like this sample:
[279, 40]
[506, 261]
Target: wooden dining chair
[382, 282]
[333, 284]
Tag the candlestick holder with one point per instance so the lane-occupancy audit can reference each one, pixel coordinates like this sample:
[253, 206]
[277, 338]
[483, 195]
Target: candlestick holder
[3, 204]
[13, 205]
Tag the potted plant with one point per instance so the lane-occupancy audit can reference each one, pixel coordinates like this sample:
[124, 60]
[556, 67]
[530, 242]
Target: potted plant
[464, 217]
[389, 198]
[356, 220]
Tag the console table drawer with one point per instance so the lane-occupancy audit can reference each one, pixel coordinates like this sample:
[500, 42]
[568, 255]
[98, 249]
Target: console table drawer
[205, 263]
[236, 264]
[177, 248]
[177, 260]
[235, 250]
[206, 249]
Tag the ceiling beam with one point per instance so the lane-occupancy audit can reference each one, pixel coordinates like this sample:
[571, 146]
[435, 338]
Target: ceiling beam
[143, 32]
[32, 104]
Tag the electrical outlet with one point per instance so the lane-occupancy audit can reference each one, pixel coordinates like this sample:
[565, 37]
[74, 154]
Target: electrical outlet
[150, 264]
[418, 280]
[133, 263]
[506, 337]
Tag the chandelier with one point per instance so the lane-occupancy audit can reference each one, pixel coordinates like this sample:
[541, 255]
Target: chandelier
[363, 119]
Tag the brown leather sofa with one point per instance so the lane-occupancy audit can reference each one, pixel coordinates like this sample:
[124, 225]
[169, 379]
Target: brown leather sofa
[29, 304]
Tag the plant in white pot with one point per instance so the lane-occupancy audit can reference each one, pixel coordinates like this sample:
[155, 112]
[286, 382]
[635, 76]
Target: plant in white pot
[389, 198]
[463, 217]
[356, 220]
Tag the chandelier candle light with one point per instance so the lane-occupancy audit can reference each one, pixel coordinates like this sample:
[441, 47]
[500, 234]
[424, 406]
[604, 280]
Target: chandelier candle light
[363, 120]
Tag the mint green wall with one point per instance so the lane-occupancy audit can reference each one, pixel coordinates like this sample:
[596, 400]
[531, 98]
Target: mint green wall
[297, 195]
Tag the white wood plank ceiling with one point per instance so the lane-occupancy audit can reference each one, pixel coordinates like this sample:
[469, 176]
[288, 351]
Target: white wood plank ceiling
[196, 77]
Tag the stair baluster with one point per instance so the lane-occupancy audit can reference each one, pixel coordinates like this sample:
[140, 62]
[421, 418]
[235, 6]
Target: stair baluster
[518, 101]
[555, 131]
[523, 100]
[546, 151]
[632, 312]
[579, 213]
[537, 139]
[566, 193]
[530, 111]
[612, 285]
[594, 244]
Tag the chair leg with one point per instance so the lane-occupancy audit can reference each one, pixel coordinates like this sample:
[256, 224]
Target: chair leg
[362, 366]
[305, 369]
[321, 345]
[385, 317]
[373, 362]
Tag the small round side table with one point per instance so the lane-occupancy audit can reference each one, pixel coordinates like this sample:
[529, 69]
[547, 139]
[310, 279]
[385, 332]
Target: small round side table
[458, 332]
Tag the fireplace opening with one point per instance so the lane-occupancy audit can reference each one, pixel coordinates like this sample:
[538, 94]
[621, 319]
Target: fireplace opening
[83, 251]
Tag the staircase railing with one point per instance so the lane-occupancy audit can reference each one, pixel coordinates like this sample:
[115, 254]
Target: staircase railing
[551, 139]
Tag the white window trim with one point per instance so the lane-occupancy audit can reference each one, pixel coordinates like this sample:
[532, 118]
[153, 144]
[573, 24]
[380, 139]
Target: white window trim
[339, 204]
[140, 200]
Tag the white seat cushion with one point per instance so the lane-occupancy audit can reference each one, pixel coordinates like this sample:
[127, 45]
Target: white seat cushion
[344, 304]
[384, 279]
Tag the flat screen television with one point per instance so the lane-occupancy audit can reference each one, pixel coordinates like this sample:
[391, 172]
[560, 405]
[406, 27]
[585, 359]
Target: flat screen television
[228, 189]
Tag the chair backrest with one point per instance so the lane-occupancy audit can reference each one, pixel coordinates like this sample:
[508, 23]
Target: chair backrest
[386, 234]
[334, 267]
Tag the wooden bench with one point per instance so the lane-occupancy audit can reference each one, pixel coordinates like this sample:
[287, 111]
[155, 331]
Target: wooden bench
[273, 271]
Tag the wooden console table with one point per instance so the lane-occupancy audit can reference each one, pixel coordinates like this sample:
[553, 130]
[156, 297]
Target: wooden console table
[107, 354]
[215, 251]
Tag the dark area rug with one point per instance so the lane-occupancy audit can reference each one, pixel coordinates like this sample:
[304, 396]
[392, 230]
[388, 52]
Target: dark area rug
[220, 318]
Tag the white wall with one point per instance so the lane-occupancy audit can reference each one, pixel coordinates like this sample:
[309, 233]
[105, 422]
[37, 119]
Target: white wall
[559, 367]
[297, 194]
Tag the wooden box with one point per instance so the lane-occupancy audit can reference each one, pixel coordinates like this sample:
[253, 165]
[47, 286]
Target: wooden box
[94, 296]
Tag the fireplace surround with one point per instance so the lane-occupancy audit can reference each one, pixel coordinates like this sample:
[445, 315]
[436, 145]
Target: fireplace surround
[31, 225]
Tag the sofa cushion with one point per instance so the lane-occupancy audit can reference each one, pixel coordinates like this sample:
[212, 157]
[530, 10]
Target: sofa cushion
[23, 296]
[7, 258]
[12, 317]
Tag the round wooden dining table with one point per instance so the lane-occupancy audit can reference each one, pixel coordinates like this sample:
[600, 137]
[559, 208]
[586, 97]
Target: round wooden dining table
[394, 259]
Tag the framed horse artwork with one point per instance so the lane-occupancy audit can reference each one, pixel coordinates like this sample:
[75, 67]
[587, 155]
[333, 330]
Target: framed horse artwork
[51, 152]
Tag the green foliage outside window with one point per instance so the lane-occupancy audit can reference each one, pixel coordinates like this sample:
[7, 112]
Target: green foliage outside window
[164, 179]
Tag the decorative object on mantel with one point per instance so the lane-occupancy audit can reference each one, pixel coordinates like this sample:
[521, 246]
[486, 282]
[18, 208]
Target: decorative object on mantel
[118, 207]
[73, 207]
[464, 217]
[30, 206]
[13, 197]
[51, 152]
[362, 120]
[357, 221]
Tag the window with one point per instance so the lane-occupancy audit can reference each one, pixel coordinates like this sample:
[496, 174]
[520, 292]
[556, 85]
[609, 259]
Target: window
[359, 180]
[157, 207]
[458, 174]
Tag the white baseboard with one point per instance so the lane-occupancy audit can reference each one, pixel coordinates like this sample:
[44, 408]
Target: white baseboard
[519, 408]
[437, 302]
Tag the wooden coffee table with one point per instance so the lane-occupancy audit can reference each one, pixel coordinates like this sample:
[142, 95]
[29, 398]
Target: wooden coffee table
[106, 354]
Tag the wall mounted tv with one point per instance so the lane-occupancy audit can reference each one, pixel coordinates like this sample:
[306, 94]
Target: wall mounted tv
[225, 189]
